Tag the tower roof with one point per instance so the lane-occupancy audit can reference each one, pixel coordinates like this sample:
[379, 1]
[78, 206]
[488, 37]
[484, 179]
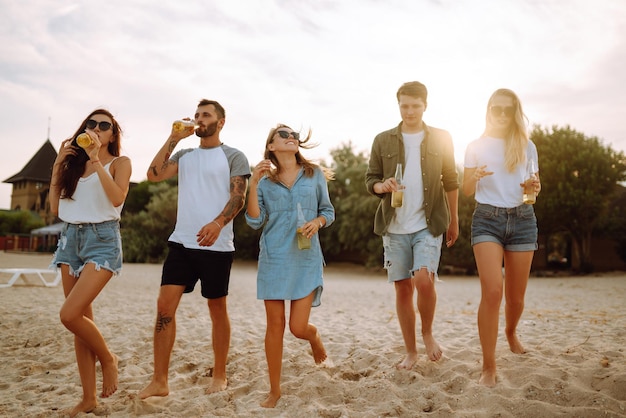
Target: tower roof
[39, 168]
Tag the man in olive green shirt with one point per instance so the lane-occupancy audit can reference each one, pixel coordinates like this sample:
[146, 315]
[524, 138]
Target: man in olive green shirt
[413, 233]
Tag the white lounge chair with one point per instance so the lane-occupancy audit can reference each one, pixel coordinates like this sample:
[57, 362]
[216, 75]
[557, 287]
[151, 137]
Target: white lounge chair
[16, 273]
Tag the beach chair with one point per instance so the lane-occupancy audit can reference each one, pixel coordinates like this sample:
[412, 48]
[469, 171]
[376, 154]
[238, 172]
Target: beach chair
[43, 274]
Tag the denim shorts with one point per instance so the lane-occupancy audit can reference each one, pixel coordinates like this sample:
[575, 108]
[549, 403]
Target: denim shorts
[515, 229]
[185, 266]
[100, 244]
[407, 253]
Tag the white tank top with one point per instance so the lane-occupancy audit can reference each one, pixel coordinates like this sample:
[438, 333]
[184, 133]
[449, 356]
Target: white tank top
[90, 203]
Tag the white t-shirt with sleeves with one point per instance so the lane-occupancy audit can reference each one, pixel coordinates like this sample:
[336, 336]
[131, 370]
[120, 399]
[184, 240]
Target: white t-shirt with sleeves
[203, 191]
[502, 188]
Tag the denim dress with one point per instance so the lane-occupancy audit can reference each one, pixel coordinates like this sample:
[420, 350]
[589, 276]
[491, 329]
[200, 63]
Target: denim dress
[286, 272]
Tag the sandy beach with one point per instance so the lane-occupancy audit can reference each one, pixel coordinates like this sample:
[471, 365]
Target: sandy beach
[574, 329]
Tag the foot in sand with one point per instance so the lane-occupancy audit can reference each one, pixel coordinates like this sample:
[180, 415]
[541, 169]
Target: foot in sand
[217, 385]
[155, 389]
[271, 400]
[83, 406]
[109, 377]
[408, 362]
[433, 350]
[488, 378]
[514, 344]
[319, 352]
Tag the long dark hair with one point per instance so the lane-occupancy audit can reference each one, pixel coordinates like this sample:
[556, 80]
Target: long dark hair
[73, 166]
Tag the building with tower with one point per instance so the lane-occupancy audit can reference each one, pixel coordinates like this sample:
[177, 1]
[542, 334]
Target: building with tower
[31, 186]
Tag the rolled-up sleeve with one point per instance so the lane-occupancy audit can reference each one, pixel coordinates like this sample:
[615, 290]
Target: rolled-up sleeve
[324, 206]
[257, 223]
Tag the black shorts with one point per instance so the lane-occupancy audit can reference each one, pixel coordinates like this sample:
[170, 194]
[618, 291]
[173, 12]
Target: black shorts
[185, 266]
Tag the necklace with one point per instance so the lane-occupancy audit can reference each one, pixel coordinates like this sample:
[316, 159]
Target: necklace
[288, 179]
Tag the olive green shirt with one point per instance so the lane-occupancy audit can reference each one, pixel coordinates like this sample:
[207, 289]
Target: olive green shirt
[439, 175]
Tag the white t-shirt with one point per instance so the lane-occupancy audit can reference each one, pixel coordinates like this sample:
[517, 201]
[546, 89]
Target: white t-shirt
[203, 191]
[502, 188]
[410, 217]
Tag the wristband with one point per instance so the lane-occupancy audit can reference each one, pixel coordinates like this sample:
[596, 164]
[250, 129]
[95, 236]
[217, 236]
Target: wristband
[218, 224]
[95, 161]
[321, 225]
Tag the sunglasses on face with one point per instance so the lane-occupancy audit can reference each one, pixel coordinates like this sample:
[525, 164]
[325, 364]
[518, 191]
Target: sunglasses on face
[104, 126]
[285, 135]
[508, 111]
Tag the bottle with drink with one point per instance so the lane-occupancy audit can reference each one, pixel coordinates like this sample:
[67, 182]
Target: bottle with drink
[530, 196]
[304, 243]
[397, 197]
[183, 125]
[84, 140]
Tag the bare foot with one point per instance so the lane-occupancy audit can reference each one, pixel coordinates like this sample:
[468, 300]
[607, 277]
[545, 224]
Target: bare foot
[319, 352]
[155, 389]
[271, 400]
[514, 344]
[83, 406]
[488, 378]
[408, 362]
[433, 351]
[217, 385]
[109, 377]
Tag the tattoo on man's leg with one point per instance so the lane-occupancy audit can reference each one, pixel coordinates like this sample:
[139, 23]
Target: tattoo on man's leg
[162, 322]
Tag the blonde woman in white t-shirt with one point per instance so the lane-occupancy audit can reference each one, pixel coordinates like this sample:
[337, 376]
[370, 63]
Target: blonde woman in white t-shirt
[504, 229]
[88, 188]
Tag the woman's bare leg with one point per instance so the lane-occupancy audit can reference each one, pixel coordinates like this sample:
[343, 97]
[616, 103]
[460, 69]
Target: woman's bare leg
[517, 270]
[300, 327]
[275, 314]
[79, 296]
[489, 257]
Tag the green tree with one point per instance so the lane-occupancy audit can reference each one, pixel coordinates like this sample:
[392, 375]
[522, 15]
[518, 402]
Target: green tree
[614, 225]
[351, 237]
[460, 255]
[579, 177]
[145, 233]
[19, 222]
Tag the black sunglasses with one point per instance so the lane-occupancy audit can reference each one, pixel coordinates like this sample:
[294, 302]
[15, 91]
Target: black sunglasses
[508, 111]
[104, 126]
[285, 135]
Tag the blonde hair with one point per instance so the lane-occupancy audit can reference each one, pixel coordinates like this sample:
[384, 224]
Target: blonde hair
[309, 167]
[517, 136]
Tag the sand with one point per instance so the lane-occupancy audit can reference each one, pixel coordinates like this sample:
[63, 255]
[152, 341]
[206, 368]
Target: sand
[574, 329]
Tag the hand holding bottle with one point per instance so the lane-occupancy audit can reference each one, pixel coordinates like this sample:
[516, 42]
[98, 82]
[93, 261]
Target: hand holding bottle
[531, 183]
[304, 242]
[397, 195]
[183, 128]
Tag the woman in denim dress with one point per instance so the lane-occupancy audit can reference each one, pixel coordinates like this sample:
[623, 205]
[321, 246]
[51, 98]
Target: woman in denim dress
[504, 228]
[88, 189]
[286, 272]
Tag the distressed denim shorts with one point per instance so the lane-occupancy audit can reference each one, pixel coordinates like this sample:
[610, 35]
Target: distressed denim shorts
[515, 229]
[407, 253]
[100, 244]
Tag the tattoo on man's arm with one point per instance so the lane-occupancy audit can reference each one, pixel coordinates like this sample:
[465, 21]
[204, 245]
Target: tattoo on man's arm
[166, 162]
[162, 322]
[236, 202]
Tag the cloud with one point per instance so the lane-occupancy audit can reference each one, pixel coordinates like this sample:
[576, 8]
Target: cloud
[330, 65]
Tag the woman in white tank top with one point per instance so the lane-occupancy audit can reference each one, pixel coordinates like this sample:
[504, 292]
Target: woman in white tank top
[88, 188]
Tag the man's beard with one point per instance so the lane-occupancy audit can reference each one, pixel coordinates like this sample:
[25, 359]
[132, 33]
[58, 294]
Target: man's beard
[208, 131]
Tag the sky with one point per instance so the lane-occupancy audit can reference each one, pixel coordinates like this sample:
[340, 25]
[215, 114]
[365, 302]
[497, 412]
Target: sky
[332, 66]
